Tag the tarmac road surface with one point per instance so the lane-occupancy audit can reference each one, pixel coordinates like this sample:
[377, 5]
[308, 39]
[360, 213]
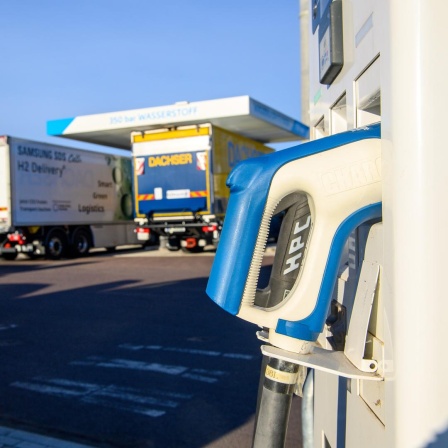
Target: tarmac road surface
[125, 350]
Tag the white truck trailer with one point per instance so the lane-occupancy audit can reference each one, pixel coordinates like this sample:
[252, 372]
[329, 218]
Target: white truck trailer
[59, 201]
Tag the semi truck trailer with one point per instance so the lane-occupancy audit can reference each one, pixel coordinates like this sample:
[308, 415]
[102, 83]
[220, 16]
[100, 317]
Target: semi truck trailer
[59, 201]
[180, 182]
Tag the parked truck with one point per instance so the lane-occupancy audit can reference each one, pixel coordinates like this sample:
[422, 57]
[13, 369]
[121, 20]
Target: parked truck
[59, 201]
[180, 182]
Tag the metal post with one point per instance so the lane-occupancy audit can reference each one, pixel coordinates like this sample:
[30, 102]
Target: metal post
[308, 411]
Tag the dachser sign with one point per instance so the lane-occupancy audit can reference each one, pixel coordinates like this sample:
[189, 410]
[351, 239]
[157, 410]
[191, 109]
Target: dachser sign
[171, 159]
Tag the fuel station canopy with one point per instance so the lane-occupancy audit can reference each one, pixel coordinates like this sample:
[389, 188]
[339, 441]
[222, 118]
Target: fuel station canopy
[242, 115]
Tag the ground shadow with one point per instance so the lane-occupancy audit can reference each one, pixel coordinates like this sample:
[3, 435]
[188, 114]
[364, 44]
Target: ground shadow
[111, 336]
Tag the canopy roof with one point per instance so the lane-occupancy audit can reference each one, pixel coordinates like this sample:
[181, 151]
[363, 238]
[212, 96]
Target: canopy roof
[242, 115]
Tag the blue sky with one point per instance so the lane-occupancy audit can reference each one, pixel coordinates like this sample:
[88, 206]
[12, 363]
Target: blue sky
[61, 58]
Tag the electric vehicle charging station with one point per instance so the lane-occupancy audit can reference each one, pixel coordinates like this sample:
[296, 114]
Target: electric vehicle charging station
[373, 347]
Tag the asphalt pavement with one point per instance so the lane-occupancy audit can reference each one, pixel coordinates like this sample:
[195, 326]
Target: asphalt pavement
[124, 350]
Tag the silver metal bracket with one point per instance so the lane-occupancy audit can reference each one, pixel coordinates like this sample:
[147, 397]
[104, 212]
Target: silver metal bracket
[355, 342]
[349, 363]
[320, 359]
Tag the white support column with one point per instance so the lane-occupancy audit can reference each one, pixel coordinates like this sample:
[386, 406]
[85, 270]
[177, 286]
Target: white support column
[416, 218]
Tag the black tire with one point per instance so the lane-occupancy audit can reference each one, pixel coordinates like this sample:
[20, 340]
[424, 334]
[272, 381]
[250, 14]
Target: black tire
[56, 244]
[173, 243]
[81, 243]
[32, 255]
[111, 249]
[10, 256]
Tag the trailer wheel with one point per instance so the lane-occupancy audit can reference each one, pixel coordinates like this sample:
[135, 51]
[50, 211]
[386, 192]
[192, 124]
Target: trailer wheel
[10, 256]
[80, 243]
[32, 255]
[56, 244]
[173, 243]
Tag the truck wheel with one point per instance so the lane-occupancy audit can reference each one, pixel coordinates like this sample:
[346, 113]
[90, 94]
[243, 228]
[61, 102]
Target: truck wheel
[10, 255]
[80, 243]
[56, 244]
[32, 255]
[173, 244]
